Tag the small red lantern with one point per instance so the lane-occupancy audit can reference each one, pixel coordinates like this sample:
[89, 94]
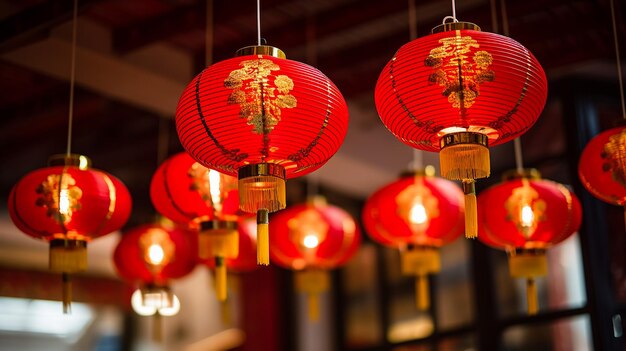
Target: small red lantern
[418, 214]
[67, 204]
[312, 238]
[525, 215]
[602, 166]
[150, 256]
[458, 91]
[264, 119]
[206, 200]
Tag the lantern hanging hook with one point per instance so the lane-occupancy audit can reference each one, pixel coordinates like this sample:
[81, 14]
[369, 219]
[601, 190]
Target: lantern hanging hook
[453, 17]
[72, 80]
[617, 58]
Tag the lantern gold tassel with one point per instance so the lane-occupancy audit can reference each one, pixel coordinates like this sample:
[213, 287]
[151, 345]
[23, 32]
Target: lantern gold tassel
[262, 237]
[225, 313]
[67, 294]
[471, 220]
[464, 155]
[220, 279]
[531, 296]
[422, 292]
[262, 186]
[312, 283]
[313, 301]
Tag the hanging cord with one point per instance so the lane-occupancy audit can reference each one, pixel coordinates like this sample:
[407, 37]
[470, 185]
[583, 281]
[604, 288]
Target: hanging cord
[72, 81]
[517, 142]
[412, 20]
[418, 155]
[208, 43]
[453, 17]
[494, 16]
[258, 21]
[617, 58]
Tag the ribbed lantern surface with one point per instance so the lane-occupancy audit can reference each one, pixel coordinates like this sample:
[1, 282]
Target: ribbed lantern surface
[203, 199]
[525, 215]
[460, 80]
[312, 238]
[153, 254]
[459, 91]
[263, 118]
[418, 214]
[67, 204]
[602, 166]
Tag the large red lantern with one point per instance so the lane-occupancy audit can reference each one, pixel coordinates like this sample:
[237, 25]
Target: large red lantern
[459, 91]
[189, 193]
[526, 215]
[150, 256]
[264, 119]
[312, 238]
[67, 204]
[602, 166]
[418, 214]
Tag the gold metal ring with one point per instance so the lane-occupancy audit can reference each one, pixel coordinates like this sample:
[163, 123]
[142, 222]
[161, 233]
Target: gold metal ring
[261, 50]
[68, 243]
[448, 26]
[261, 169]
[218, 224]
[80, 161]
[464, 138]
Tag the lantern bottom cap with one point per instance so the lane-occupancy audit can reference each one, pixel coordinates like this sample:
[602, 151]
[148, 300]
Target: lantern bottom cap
[262, 186]
[528, 264]
[464, 156]
[68, 256]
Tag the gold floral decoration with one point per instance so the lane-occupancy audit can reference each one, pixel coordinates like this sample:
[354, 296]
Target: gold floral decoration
[259, 97]
[459, 74]
[614, 155]
[59, 196]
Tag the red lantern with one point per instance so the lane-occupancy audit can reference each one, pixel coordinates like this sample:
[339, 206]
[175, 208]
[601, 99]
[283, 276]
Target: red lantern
[458, 91]
[602, 166]
[189, 193]
[67, 204]
[312, 238]
[265, 119]
[150, 256]
[418, 214]
[525, 215]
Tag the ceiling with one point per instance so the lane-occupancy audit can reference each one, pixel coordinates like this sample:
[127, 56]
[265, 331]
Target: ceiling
[135, 57]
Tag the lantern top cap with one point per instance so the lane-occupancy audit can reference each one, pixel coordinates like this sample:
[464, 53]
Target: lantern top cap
[449, 26]
[428, 171]
[261, 50]
[80, 161]
[527, 173]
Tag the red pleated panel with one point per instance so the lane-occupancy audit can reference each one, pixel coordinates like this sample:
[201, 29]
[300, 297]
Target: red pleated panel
[557, 214]
[130, 262]
[221, 122]
[179, 191]
[69, 202]
[386, 218]
[420, 97]
[602, 166]
[336, 231]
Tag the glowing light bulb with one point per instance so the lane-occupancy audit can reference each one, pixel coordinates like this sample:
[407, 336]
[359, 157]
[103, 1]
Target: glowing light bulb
[214, 185]
[171, 310]
[156, 255]
[527, 216]
[418, 215]
[64, 201]
[138, 305]
[311, 241]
